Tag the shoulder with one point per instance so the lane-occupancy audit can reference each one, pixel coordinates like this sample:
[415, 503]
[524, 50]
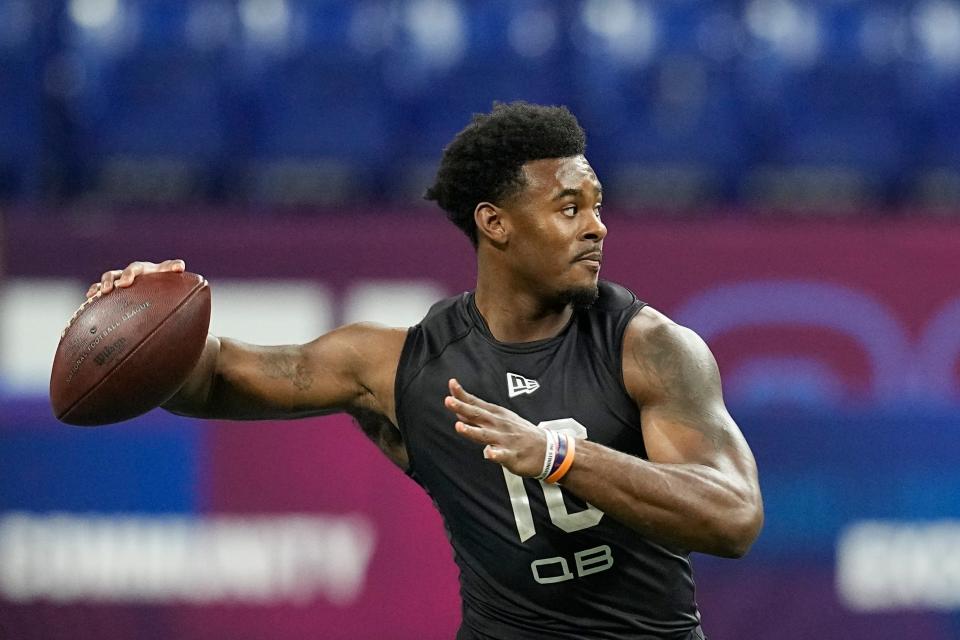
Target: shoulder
[652, 328]
[661, 357]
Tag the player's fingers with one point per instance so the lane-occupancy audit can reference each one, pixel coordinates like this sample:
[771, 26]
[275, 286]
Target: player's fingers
[133, 270]
[473, 432]
[465, 411]
[495, 454]
[457, 391]
[106, 280]
[480, 421]
[172, 265]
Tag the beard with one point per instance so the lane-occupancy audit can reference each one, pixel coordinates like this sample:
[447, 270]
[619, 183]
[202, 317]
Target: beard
[580, 297]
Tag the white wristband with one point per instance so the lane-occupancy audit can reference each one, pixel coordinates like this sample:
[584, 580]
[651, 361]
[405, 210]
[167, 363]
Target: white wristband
[550, 454]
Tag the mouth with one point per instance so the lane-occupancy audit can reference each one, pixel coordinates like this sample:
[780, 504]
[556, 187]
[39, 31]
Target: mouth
[592, 258]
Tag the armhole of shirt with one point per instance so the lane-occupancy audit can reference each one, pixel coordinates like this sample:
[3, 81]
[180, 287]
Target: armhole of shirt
[407, 371]
[400, 384]
[619, 337]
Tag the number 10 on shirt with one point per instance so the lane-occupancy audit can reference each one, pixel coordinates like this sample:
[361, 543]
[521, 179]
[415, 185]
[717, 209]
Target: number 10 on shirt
[559, 516]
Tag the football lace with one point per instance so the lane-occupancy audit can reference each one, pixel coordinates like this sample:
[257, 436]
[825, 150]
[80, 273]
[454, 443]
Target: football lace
[86, 303]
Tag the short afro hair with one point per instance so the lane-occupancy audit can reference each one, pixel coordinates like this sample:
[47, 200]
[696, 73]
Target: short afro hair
[484, 162]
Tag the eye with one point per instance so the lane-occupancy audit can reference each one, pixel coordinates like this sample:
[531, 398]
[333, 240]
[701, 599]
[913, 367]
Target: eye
[569, 210]
[598, 209]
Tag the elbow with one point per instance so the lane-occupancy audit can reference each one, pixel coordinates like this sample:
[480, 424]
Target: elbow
[735, 547]
[738, 532]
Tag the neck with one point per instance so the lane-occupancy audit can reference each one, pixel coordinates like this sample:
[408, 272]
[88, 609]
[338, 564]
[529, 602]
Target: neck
[514, 313]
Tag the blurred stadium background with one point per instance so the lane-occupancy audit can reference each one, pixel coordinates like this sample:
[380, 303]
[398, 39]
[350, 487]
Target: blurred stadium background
[782, 175]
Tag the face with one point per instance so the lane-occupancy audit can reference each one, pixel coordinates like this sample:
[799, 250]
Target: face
[556, 236]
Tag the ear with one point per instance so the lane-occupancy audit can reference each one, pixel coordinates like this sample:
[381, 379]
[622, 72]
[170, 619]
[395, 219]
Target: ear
[491, 223]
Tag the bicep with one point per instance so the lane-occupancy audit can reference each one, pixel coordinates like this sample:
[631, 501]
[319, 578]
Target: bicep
[690, 434]
[672, 374]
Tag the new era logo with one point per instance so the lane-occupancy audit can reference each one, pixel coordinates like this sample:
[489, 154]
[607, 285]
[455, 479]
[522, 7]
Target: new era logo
[518, 385]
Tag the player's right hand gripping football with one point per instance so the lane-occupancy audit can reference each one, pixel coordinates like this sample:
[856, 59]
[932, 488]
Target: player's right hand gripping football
[124, 277]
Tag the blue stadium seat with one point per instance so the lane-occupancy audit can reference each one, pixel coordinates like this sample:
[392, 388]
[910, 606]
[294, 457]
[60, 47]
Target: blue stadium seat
[318, 117]
[941, 116]
[828, 119]
[661, 109]
[154, 110]
[694, 98]
[504, 51]
[932, 95]
[21, 104]
[841, 115]
[161, 104]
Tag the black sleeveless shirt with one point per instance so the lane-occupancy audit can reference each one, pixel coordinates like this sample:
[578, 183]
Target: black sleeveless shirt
[535, 561]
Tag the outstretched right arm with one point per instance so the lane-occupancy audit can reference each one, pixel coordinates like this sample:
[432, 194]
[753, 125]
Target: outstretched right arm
[350, 369]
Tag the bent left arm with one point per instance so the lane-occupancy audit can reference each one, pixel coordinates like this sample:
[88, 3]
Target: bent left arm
[699, 487]
[698, 490]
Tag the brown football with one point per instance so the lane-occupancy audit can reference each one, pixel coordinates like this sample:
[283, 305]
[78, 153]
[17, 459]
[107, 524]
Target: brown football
[128, 351]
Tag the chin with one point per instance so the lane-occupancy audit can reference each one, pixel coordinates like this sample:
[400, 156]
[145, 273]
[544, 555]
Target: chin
[581, 296]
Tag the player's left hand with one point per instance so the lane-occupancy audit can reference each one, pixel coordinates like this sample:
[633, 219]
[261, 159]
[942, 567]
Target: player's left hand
[517, 444]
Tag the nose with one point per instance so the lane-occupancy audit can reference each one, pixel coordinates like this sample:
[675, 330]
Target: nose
[595, 230]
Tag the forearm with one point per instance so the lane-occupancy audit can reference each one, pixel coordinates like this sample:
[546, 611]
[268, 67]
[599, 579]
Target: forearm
[237, 381]
[691, 506]
[228, 383]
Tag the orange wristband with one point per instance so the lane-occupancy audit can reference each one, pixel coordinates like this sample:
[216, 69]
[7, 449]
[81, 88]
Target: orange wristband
[561, 471]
